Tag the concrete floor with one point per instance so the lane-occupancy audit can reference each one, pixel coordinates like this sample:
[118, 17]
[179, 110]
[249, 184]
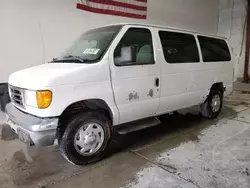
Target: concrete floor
[184, 151]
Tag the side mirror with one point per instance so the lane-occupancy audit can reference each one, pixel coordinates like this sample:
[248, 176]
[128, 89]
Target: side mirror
[127, 56]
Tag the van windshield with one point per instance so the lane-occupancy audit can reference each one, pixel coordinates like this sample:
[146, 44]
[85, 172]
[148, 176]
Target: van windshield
[90, 47]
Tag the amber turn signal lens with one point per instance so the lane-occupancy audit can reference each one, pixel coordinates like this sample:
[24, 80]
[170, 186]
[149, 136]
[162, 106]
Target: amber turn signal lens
[43, 98]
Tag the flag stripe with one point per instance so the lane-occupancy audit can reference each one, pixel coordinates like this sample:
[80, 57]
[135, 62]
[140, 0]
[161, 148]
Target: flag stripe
[115, 8]
[133, 2]
[142, 1]
[120, 4]
[112, 12]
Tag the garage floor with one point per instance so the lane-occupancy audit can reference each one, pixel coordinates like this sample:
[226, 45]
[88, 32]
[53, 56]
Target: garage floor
[184, 151]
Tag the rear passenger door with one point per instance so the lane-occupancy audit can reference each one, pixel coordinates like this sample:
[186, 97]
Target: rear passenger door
[181, 77]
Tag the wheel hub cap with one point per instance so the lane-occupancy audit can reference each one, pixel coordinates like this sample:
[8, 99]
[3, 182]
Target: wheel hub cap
[89, 139]
[216, 103]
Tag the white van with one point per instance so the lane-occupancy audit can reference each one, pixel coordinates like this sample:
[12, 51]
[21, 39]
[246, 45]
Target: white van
[118, 77]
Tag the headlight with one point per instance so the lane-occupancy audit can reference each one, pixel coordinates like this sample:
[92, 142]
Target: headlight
[30, 98]
[43, 98]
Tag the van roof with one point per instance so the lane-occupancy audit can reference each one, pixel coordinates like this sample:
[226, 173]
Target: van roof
[171, 28]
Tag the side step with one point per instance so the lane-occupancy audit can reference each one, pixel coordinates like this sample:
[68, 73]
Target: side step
[137, 125]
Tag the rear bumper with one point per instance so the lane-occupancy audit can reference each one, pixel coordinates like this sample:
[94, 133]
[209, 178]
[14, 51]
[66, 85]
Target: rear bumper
[30, 129]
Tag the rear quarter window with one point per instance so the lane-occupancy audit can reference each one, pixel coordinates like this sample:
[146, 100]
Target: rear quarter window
[214, 50]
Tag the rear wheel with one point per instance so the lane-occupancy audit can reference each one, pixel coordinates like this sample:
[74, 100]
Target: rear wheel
[86, 138]
[211, 108]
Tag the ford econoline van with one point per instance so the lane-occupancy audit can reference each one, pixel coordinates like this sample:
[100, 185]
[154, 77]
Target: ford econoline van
[117, 78]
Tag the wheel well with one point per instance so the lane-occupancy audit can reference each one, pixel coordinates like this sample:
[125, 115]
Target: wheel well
[218, 86]
[81, 106]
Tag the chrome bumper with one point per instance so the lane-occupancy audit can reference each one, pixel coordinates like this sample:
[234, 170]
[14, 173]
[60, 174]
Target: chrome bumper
[30, 129]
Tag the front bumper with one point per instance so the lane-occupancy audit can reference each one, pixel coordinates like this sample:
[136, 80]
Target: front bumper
[30, 129]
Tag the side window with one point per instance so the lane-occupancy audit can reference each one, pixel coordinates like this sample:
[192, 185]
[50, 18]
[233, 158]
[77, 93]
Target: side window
[179, 47]
[214, 50]
[135, 48]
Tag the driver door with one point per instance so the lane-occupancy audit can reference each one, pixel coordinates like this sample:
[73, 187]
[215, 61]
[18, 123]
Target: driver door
[135, 73]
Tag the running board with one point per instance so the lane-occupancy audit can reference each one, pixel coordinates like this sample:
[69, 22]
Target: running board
[137, 125]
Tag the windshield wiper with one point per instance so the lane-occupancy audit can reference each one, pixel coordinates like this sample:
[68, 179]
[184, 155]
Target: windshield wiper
[69, 58]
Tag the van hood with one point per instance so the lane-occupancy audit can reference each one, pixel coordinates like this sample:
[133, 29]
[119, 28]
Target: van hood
[44, 76]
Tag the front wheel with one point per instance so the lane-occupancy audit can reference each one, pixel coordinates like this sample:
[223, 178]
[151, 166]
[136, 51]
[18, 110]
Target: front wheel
[211, 108]
[86, 138]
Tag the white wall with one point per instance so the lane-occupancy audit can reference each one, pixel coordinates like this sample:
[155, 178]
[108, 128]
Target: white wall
[232, 24]
[34, 31]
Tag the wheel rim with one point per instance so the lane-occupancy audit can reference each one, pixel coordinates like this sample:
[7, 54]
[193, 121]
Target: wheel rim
[216, 103]
[89, 139]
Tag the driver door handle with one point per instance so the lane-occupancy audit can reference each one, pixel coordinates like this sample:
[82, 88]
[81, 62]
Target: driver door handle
[157, 82]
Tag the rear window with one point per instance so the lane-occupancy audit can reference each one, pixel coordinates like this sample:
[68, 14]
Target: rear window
[214, 50]
[179, 47]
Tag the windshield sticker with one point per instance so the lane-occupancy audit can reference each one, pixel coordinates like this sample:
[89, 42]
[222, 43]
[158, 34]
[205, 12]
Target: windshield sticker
[92, 51]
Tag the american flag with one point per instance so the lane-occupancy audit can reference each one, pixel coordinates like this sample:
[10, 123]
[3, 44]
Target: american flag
[127, 8]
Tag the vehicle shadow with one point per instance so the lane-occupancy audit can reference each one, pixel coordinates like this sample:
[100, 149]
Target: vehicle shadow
[187, 122]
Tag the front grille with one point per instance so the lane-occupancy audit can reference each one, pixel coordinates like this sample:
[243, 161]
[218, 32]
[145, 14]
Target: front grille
[16, 96]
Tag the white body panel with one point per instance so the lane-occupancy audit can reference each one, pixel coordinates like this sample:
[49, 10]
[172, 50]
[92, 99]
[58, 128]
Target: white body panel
[126, 89]
[188, 84]
[69, 83]
[136, 81]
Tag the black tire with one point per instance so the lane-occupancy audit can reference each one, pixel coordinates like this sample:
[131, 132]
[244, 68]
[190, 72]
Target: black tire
[4, 96]
[206, 107]
[67, 147]
[4, 100]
